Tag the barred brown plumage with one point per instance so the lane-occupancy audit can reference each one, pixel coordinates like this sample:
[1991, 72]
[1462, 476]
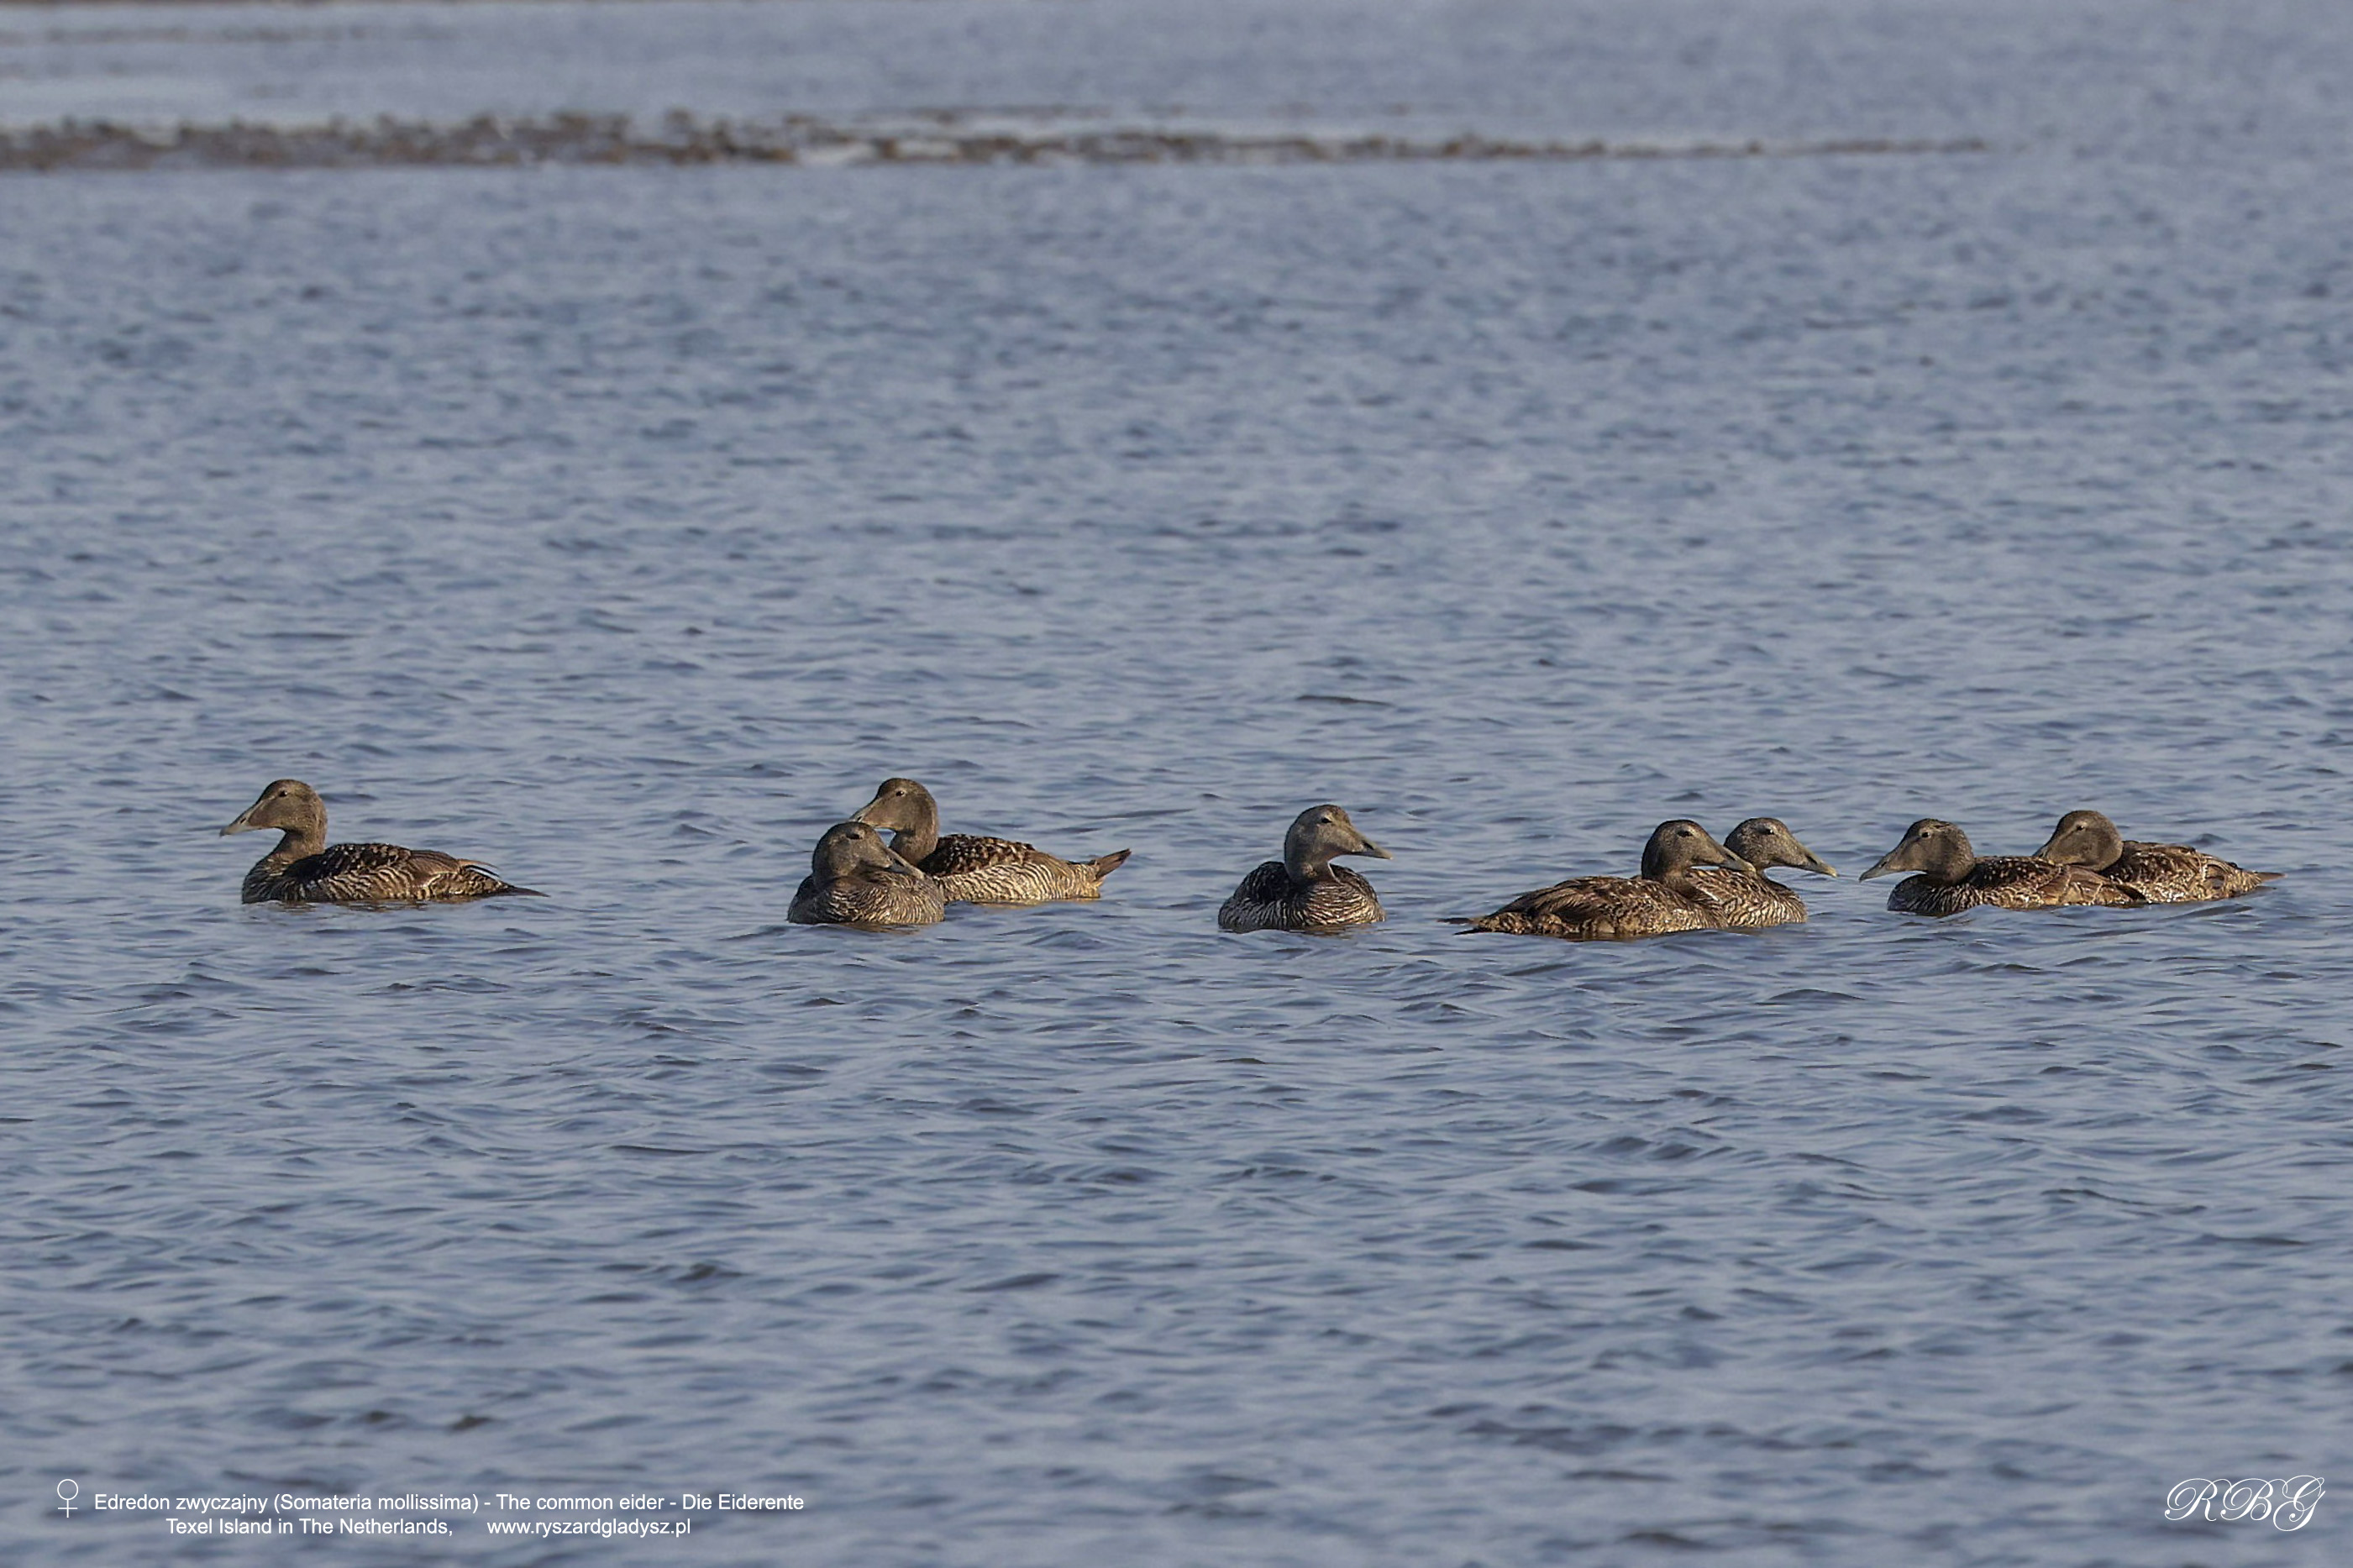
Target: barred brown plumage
[305, 869]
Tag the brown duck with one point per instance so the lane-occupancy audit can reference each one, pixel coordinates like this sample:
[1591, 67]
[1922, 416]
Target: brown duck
[1952, 877]
[305, 869]
[856, 879]
[1740, 901]
[2161, 873]
[975, 870]
[1663, 898]
[1303, 890]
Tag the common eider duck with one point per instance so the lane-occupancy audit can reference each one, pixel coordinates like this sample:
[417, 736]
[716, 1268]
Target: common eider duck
[1952, 877]
[1740, 901]
[1303, 890]
[1661, 900]
[2161, 873]
[305, 869]
[856, 879]
[975, 870]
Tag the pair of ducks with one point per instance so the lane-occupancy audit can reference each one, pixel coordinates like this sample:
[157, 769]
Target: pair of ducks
[857, 880]
[2084, 861]
[1688, 881]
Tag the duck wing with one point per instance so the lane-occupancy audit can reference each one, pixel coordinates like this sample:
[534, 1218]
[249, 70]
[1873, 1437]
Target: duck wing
[2027, 882]
[2177, 874]
[1741, 899]
[1598, 908]
[981, 870]
[384, 873]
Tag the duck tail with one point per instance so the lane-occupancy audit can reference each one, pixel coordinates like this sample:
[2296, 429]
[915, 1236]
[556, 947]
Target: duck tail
[1105, 865]
[476, 880]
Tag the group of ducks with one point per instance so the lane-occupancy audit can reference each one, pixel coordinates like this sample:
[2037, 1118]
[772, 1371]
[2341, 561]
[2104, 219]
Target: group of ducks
[1688, 880]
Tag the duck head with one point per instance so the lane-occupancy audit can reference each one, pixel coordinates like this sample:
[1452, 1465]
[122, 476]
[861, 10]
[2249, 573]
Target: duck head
[1676, 847]
[288, 804]
[1320, 833]
[898, 806]
[2084, 838]
[1936, 849]
[848, 849]
[906, 808]
[1765, 841]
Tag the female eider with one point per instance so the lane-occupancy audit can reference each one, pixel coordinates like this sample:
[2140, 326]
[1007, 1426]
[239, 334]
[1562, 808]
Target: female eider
[975, 870]
[1743, 900]
[1952, 877]
[2161, 873]
[1663, 899]
[1303, 890]
[856, 879]
[305, 869]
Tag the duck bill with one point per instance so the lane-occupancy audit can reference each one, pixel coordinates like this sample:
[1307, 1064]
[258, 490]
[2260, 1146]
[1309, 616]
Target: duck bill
[241, 824]
[1886, 866]
[1820, 867]
[2048, 845]
[1732, 862]
[1366, 847]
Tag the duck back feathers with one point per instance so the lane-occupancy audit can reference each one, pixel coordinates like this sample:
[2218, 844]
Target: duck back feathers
[374, 874]
[976, 870]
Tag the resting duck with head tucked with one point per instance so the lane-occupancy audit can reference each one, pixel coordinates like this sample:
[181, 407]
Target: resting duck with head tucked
[2161, 873]
[1665, 898]
[856, 879]
[975, 870]
[305, 869]
[1952, 877]
[1303, 890]
[1743, 900]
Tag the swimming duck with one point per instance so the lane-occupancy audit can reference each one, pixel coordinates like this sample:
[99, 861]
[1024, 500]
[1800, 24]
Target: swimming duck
[1303, 890]
[1952, 877]
[1663, 898]
[305, 869]
[856, 879]
[2161, 873]
[1742, 899]
[975, 870]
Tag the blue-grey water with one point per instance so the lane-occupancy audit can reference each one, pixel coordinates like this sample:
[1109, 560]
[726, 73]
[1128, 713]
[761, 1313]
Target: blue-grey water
[625, 527]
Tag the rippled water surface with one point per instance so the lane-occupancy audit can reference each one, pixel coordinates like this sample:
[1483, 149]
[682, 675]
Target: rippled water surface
[625, 527]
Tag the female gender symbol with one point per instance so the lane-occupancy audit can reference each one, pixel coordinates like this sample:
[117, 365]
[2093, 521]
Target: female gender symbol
[68, 1490]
